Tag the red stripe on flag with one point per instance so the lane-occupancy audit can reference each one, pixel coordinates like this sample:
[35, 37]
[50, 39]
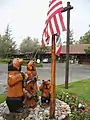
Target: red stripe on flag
[56, 24]
[52, 2]
[60, 2]
[47, 32]
[54, 13]
[62, 22]
[51, 28]
[43, 44]
[59, 50]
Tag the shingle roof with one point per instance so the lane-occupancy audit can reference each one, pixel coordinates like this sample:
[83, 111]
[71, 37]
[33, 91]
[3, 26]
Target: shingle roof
[75, 48]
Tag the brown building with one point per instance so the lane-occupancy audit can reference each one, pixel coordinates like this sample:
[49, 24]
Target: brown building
[76, 51]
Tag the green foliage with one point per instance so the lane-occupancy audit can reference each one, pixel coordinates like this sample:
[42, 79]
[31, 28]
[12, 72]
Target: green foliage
[29, 45]
[74, 102]
[78, 93]
[44, 49]
[71, 41]
[87, 50]
[4, 60]
[80, 88]
[7, 45]
[24, 62]
[71, 38]
[85, 39]
[2, 98]
[37, 64]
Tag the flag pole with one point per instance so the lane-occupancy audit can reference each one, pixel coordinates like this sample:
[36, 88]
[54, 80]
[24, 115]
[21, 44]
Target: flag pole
[53, 68]
[53, 79]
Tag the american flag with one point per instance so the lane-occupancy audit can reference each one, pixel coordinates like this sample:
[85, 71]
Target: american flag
[54, 24]
[58, 45]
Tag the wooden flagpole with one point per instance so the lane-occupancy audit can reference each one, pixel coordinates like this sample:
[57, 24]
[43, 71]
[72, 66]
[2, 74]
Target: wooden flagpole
[53, 81]
[53, 68]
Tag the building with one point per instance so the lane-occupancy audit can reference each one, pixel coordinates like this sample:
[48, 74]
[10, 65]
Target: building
[76, 51]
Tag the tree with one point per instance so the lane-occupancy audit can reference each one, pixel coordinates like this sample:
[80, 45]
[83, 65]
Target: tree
[7, 45]
[33, 47]
[85, 39]
[44, 49]
[29, 45]
[9, 39]
[71, 40]
[87, 50]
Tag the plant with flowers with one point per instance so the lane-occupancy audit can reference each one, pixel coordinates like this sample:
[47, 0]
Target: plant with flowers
[79, 109]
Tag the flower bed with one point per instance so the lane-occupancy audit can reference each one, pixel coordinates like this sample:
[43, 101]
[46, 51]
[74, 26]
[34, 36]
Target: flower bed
[62, 110]
[79, 109]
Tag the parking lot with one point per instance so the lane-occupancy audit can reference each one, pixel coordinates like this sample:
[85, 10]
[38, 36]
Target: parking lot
[76, 72]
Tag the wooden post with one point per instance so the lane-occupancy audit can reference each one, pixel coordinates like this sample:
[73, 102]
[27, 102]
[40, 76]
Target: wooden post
[53, 79]
[67, 47]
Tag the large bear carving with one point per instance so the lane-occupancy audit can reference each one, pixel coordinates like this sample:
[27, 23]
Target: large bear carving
[31, 85]
[45, 88]
[15, 95]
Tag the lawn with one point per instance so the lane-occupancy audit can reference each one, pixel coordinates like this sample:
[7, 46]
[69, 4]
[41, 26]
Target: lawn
[2, 98]
[80, 89]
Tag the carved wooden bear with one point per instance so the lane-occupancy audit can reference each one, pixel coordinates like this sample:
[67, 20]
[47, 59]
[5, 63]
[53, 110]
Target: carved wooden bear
[45, 88]
[31, 85]
[15, 94]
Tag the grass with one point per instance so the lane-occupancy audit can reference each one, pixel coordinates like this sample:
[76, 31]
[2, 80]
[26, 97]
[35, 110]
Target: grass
[2, 98]
[80, 89]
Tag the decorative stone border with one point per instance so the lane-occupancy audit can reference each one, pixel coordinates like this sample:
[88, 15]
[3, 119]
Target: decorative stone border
[62, 110]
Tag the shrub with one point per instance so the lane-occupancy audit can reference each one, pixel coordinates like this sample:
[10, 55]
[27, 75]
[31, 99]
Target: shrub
[79, 110]
[24, 62]
[2, 97]
[4, 60]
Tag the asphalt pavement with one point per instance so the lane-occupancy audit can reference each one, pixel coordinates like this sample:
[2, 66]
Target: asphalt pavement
[76, 72]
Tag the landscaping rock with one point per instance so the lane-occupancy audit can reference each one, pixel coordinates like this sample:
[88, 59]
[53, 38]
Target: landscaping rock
[61, 111]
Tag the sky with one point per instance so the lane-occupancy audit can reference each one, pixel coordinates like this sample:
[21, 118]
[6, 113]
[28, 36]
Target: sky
[27, 18]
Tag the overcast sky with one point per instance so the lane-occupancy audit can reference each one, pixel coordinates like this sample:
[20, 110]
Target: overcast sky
[27, 17]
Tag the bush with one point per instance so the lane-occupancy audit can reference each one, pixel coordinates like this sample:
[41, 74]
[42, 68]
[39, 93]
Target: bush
[79, 110]
[4, 60]
[2, 98]
[24, 62]
[37, 64]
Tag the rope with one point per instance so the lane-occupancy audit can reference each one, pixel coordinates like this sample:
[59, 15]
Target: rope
[36, 53]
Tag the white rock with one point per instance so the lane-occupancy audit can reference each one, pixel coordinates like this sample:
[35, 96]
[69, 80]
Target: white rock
[56, 113]
[68, 112]
[1, 118]
[39, 113]
[27, 118]
[46, 111]
[6, 110]
[40, 118]
[63, 116]
[46, 118]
